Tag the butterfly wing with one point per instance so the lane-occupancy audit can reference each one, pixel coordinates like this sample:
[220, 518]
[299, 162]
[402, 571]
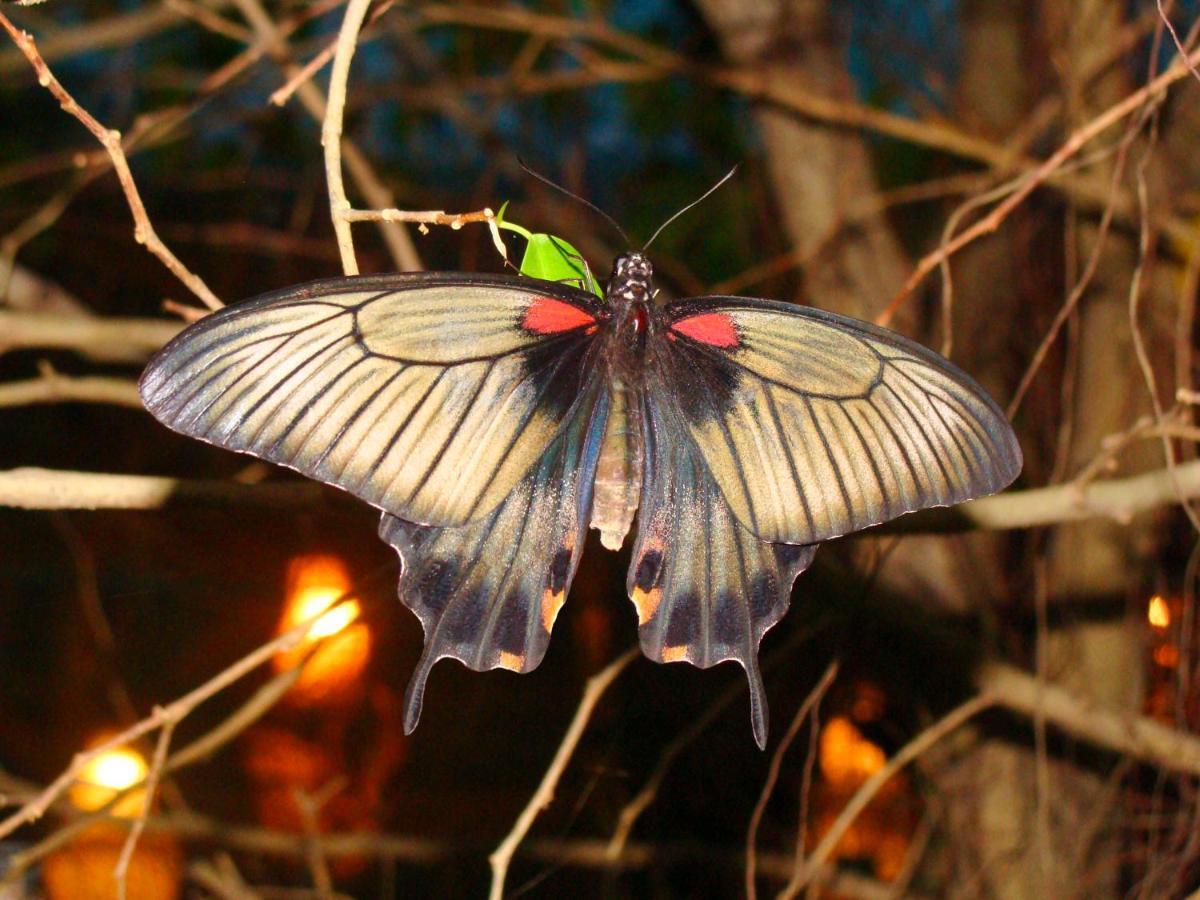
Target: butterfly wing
[428, 395]
[814, 425]
[705, 588]
[487, 592]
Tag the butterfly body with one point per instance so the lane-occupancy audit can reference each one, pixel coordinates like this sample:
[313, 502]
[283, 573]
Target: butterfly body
[494, 418]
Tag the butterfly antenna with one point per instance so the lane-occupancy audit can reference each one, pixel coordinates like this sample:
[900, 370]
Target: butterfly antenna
[592, 206]
[695, 202]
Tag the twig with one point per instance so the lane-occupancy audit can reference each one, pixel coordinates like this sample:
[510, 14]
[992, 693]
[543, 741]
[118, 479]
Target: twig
[1136, 736]
[910, 751]
[1074, 143]
[1117, 498]
[143, 231]
[810, 702]
[157, 762]
[242, 718]
[400, 246]
[427, 217]
[101, 33]
[596, 686]
[581, 853]
[125, 336]
[34, 488]
[318, 865]
[310, 68]
[769, 86]
[331, 130]
[54, 387]
[171, 714]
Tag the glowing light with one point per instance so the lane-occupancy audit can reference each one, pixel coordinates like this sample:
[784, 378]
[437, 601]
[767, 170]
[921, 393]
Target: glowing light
[107, 775]
[846, 757]
[317, 583]
[1158, 613]
[1166, 655]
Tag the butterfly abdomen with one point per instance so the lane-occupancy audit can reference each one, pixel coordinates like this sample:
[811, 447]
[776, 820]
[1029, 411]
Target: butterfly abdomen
[619, 470]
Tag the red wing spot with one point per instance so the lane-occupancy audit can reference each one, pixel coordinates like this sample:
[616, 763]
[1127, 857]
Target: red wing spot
[715, 329]
[546, 315]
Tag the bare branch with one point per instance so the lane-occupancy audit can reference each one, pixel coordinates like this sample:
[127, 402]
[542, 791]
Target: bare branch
[1075, 142]
[1136, 736]
[143, 231]
[331, 130]
[910, 751]
[54, 387]
[125, 336]
[596, 686]
[34, 488]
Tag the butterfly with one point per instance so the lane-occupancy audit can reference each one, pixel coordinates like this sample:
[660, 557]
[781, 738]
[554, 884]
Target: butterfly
[494, 418]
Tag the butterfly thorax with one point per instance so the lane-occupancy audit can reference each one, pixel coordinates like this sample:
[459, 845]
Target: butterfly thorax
[630, 295]
[619, 470]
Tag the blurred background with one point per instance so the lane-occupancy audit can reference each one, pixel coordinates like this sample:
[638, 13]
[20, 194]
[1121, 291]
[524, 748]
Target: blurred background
[866, 134]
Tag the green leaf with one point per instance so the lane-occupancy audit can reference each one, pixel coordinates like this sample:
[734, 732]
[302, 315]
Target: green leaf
[553, 259]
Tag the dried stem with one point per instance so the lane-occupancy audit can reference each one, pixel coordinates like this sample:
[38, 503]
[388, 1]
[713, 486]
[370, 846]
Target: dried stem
[810, 703]
[502, 856]
[157, 763]
[331, 131]
[1075, 142]
[143, 231]
[910, 751]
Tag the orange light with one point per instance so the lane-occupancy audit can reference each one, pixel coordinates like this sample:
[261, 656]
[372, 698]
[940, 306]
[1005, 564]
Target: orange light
[107, 775]
[1166, 655]
[317, 583]
[1158, 613]
[847, 758]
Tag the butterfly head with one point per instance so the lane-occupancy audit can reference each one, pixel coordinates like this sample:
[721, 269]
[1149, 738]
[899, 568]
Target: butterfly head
[630, 280]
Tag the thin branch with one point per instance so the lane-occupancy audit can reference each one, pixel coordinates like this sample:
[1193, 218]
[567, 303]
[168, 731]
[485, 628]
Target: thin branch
[399, 243]
[172, 714]
[767, 85]
[331, 131]
[143, 231]
[454, 221]
[502, 856]
[910, 751]
[319, 61]
[1076, 141]
[157, 763]
[124, 335]
[1136, 736]
[34, 488]
[201, 748]
[810, 702]
[54, 387]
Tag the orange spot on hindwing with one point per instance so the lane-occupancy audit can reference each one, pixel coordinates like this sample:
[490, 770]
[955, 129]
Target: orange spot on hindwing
[551, 603]
[674, 654]
[546, 315]
[646, 603]
[714, 329]
[514, 662]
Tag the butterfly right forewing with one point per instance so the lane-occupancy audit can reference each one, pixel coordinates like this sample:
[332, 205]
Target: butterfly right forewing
[815, 425]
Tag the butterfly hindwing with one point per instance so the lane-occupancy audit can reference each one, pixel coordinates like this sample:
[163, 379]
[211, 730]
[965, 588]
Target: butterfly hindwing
[814, 425]
[705, 588]
[487, 592]
[429, 395]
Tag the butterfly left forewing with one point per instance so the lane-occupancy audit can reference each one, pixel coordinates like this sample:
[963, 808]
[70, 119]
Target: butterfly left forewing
[428, 395]
[705, 588]
[487, 593]
[815, 425]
